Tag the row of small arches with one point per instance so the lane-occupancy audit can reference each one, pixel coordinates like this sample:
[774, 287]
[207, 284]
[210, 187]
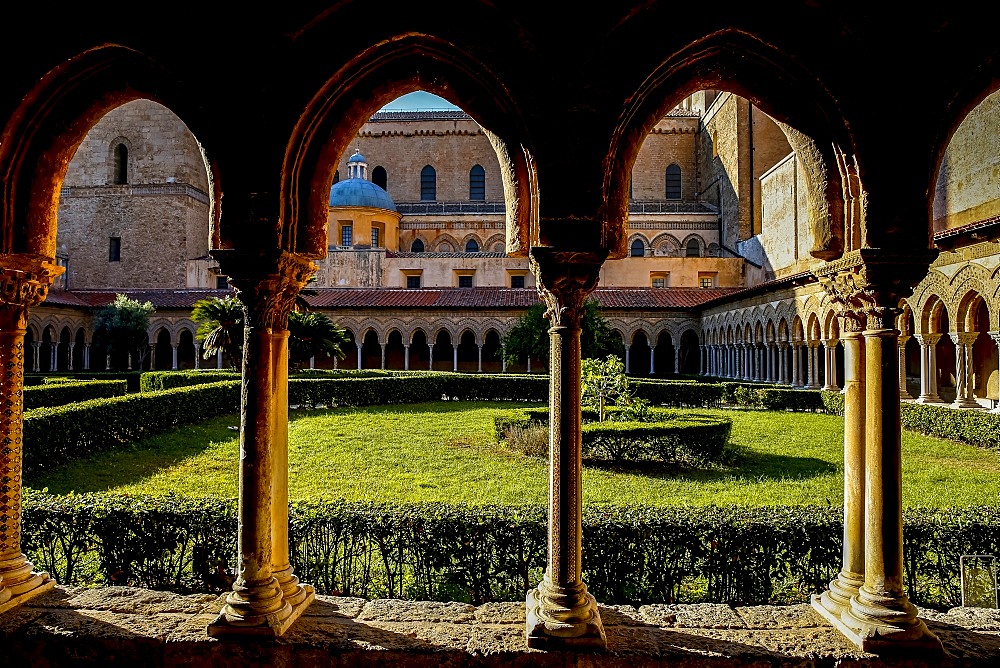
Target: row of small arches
[667, 245]
[428, 182]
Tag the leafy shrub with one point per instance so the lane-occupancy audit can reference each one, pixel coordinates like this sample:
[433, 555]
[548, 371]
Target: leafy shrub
[157, 381]
[631, 555]
[685, 439]
[55, 435]
[67, 391]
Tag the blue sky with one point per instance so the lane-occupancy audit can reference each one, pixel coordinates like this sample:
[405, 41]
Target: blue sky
[419, 101]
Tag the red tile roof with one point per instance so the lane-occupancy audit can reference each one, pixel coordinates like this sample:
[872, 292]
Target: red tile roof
[425, 298]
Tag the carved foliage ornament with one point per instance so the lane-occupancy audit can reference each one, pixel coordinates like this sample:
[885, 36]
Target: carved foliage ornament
[267, 285]
[564, 279]
[24, 282]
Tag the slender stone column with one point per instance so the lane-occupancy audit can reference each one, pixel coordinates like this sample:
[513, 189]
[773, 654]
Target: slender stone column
[296, 595]
[54, 357]
[36, 364]
[529, 363]
[796, 358]
[811, 366]
[964, 397]
[652, 359]
[86, 357]
[430, 357]
[835, 600]
[173, 364]
[312, 361]
[996, 338]
[903, 393]
[359, 354]
[677, 359]
[406, 357]
[702, 360]
[265, 589]
[383, 357]
[480, 367]
[561, 614]
[503, 360]
[880, 614]
[218, 360]
[454, 357]
[628, 359]
[830, 346]
[24, 283]
[69, 355]
[928, 368]
[197, 354]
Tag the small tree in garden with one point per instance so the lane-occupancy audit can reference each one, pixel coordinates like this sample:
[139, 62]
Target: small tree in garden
[220, 327]
[603, 381]
[122, 327]
[313, 334]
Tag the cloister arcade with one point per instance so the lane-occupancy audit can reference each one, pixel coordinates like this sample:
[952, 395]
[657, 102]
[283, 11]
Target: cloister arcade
[561, 107]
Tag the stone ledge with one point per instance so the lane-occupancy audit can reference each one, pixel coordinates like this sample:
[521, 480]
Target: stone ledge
[125, 626]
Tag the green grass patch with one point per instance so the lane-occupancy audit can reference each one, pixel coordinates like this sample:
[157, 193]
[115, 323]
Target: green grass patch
[444, 451]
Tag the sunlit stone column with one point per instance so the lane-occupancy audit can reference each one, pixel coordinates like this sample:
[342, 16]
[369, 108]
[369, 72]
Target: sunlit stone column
[560, 612]
[835, 600]
[880, 614]
[454, 357]
[903, 393]
[964, 397]
[928, 368]
[266, 597]
[811, 375]
[24, 283]
[480, 367]
[406, 357]
[996, 338]
[796, 356]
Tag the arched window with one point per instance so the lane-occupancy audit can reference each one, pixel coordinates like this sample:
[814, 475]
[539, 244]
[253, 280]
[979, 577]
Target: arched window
[336, 176]
[471, 246]
[121, 165]
[638, 248]
[417, 246]
[380, 178]
[693, 249]
[477, 183]
[428, 184]
[673, 182]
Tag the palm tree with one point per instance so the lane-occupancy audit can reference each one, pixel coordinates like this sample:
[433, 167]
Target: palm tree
[313, 334]
[220, 327]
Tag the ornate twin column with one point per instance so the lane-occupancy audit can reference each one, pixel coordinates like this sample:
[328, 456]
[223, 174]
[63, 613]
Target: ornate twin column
[24, 282]
[903, 393]
[928, 368]
[964, 397]
[878, 616]
[266, 596]
[561, 613]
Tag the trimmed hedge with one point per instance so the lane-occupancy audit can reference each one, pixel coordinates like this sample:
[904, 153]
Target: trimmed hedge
[157, 381]
[41, 378]
[65, 391]
[683, 438]
[55, 435]
[631, 555]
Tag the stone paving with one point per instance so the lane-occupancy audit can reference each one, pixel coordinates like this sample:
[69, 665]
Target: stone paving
[124, 626]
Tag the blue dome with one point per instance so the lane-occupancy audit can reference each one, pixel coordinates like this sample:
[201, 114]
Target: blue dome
[360, 192]
[357, 157]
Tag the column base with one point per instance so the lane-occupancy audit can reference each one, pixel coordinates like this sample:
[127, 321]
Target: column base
[929, 399]
[880, 630]
[45, 584]
[552, 634]
[232, 622]
[965, 403]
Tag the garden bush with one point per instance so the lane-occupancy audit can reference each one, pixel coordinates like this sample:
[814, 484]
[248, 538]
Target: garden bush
[631, 555]
[54, 435]
[66, 391]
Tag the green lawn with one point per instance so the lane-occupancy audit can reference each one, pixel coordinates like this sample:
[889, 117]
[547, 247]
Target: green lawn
[443, 451]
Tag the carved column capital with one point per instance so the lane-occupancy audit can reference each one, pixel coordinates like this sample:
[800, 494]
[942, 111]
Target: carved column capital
[872, 281]
[24, 282]
[928, 339]
[963, 338]
[564, 280]
[267, 283]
